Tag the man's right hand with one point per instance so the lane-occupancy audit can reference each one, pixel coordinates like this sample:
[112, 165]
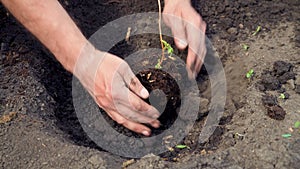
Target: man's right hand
[116, 89]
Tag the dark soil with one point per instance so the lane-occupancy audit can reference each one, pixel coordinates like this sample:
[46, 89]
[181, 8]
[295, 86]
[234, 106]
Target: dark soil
[165, 95]
[45, 132]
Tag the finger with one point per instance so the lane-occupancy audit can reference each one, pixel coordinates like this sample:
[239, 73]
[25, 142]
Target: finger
[132, 81]
[135, 116]
[136, 104]
[133, 126]
[196, 40]
[200, 60]
[122, 95]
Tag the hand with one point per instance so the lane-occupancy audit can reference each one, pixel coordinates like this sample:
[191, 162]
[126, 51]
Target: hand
[188, 29]
[116, 89]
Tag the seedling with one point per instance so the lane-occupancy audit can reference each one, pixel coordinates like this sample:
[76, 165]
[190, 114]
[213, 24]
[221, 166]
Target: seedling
[250, 73]
[257, 30]
[297, 124]
[164, 44]
[286, 135]
[245, 47]
[180, 146]
[282, 96]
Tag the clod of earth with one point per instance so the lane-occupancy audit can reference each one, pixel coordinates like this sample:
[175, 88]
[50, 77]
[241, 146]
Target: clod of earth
[274, 110]
[273, 80]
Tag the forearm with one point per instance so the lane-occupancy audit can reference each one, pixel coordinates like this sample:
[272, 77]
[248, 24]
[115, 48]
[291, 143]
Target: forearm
[51, 24]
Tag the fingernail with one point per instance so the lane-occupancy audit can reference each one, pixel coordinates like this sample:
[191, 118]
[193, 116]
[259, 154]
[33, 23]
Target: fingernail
[146, 133]
[181, 43]
[155, 116]
[144, 93]
[157, 124]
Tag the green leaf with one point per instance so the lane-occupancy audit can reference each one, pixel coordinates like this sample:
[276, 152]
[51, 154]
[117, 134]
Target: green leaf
[286, 135]
[250, 73]
[297, 124]
[168, 47]
[180, 146]
[282, 96]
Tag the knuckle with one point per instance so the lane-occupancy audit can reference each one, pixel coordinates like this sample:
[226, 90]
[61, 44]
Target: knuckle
[197, 21]
[121, 121]
[104, 103]
[138, 106]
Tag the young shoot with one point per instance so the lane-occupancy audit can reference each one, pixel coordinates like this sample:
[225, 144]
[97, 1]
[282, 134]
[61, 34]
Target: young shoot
[297, 124]
[281, 96]
[164, 45]
[245, 47]
[180, 146]
[286, 135]
[257, 30]
[250, 73]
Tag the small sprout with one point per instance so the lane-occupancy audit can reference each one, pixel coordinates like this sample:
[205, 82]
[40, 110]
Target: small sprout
[180, 146]
[238, 136]
[286, 135]
[245, 47]
[257, 30]
[282, 96]
[297, 124]
[250, 73]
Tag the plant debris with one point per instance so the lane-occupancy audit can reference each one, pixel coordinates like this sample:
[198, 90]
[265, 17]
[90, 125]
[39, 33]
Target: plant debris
[127, 163]
[7, 117]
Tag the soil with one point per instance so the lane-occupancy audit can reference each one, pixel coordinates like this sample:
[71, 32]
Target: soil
[165, 94]
[39, 128]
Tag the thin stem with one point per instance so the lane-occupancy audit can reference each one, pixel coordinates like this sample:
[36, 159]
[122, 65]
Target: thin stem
[160, 34]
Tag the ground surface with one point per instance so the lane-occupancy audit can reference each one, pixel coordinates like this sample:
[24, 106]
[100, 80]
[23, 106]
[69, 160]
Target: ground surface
[45, 133]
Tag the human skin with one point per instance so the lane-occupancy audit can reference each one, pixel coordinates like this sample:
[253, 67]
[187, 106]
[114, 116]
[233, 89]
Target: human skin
[49, 22]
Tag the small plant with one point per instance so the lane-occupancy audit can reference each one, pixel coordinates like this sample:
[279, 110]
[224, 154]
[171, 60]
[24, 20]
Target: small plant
[250, 73]
[166, 47]
[297, 124]
[180, 146]
[245, 47]
[164, 44]
[257, 30]
[287, 135]
[282, 96]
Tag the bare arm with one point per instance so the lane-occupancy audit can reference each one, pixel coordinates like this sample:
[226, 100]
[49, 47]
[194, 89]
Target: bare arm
[50, 23]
